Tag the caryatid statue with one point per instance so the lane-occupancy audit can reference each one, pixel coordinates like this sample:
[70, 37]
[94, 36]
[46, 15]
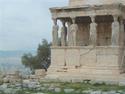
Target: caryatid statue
[69, 34]
[115, 31]
[55, 33]
[63, 34]
[73, 33]
[93, 31]
[122, 33]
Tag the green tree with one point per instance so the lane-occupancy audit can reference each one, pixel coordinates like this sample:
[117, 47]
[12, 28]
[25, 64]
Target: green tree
[41, 60]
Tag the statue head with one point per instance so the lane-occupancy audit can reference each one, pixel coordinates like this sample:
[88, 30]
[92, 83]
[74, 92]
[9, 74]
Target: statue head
[54, 21]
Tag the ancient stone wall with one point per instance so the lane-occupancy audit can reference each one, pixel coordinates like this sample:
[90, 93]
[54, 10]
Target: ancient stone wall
[75, 2]
[100, 63]
[86, 56]
[94, 2]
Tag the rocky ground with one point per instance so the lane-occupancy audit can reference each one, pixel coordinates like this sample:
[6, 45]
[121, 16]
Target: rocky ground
[12, 84]
[35, 87]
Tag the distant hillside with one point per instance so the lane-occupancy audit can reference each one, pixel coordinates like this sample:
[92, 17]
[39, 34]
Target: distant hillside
[15, 53]
[11, 60]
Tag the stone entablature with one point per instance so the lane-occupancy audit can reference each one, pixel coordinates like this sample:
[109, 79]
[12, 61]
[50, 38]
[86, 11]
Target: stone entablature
[88, 10]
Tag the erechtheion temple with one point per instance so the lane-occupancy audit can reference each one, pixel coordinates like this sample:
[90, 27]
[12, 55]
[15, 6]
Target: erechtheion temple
[92, 41]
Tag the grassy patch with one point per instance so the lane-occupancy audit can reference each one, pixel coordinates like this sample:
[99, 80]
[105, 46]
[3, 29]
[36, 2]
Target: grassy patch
[88, 86]
[76, 86]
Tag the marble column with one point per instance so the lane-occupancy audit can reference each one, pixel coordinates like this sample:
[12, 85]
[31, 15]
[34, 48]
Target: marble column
[63, 33]
[115, 31]
[93, 31]
[73, 33]
[55, 33]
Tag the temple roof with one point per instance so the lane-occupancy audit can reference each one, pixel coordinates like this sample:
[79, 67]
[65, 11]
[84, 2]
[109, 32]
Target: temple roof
[80, 8]
[94, 2]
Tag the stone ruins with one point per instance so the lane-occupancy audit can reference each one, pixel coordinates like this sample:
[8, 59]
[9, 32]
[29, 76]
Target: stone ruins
[91, 46]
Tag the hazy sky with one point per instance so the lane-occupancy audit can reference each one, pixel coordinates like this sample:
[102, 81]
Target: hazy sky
[24, 23]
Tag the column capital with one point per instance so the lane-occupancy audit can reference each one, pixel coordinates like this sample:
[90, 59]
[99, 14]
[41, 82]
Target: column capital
[115, 17]
[92, 18]
[73, 20]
